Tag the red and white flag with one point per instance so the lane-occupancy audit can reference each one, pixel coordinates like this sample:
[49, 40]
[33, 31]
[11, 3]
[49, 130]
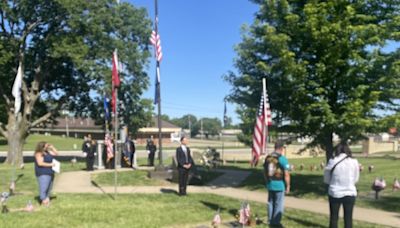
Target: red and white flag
[156, 42]
[109, 146]
[263, 120]
[244, 214]
[116, 82]
[216, 220]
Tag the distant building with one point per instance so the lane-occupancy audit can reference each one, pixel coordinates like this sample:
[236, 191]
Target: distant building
[169, 132]
[72, 127]
[80, 127]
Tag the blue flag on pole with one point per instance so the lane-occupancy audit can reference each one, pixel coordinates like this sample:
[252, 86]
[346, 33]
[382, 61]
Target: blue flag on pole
[106, 103]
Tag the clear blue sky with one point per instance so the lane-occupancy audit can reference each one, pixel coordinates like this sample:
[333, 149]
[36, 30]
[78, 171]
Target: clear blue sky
[197, 39]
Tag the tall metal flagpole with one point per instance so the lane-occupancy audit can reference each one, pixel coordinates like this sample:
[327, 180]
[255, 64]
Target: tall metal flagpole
[158, 88]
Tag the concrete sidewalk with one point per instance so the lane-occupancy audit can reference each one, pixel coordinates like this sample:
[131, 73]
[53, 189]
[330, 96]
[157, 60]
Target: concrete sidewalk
[80, 182]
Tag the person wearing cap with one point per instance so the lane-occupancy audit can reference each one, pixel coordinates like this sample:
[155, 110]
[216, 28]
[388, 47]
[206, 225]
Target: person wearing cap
[277, 182]
[185, 163]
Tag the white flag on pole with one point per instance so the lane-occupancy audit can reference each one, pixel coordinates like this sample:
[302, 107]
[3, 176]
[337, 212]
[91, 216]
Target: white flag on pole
[16, 90]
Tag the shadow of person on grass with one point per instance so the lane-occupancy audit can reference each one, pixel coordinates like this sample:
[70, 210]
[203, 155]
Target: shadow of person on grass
[303, 222]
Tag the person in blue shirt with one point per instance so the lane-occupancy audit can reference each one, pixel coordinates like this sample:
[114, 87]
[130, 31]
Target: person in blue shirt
[277, 176]
[44, 154]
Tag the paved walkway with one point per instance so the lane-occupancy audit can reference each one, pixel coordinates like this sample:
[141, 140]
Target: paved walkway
[80, 182]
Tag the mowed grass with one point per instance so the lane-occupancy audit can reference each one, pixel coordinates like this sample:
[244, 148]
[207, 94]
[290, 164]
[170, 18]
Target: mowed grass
[71, 144]
[61, 143]
[130, 210]
[144, 210]
[308, 183]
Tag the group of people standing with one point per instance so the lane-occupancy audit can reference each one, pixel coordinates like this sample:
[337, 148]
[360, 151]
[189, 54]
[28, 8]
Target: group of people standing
[341, 174]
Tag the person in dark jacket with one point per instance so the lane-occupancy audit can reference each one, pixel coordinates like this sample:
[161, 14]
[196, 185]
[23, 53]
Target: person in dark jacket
[185, 163]
[44, 154]
[92, 152]
[151, 150]
[129, 151]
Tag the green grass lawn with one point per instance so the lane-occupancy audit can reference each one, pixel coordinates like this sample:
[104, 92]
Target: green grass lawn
[129, 210]
[309, 184]
[143, 210]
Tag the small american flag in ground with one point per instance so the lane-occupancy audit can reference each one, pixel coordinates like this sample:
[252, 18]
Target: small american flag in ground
[263, 119]
[156, 42]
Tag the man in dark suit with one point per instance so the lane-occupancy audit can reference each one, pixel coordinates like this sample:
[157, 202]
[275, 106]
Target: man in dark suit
[185, 163]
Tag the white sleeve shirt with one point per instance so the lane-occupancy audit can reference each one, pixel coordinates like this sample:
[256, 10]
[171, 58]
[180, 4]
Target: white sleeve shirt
[344, 177]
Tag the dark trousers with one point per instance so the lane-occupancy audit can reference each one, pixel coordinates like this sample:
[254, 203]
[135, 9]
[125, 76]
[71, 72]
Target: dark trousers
[151, 158]
[183, 179]
[348, 205]
[89, 163]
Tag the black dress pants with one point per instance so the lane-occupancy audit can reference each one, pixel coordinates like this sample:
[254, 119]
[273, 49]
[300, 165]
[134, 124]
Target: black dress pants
[89, 163]
[348, 205]
[183, 179]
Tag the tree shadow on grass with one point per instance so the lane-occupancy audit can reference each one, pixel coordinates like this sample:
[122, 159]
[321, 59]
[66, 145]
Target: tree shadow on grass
[303, 222]
[303, 184]
[386, 203]
[215, 207]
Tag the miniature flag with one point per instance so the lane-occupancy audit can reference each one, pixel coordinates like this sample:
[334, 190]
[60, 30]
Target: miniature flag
[217, 219]
[396, 184]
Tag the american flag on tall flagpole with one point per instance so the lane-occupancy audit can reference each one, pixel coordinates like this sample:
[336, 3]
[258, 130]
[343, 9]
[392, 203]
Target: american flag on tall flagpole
[156, 42]
[263, 120]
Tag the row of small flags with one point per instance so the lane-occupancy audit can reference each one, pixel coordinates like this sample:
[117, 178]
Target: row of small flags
[243, 216]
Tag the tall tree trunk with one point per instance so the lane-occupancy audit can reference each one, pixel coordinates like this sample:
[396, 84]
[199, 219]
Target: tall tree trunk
[17, 134]
[329, 146]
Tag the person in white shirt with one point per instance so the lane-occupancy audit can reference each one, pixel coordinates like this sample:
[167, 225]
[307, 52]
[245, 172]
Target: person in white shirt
[342, 173]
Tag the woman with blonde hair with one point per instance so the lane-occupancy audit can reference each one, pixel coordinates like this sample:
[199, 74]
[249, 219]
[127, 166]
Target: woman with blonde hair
[44, 154]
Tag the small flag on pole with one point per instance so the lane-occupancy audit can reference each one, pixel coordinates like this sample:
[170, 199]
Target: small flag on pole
[263, 119]
[115, 70]
[106, 108]
[16, 90]
[216, 220]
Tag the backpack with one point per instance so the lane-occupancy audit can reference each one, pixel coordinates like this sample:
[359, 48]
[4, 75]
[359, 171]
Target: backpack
[272, 169]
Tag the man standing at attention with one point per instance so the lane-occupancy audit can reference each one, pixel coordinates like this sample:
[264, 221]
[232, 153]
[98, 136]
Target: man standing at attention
[185, 163]
[277, 176]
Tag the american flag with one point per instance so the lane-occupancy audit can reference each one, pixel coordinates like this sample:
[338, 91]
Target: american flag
[217, 219]
[156, 42]
[244, 214]
[263, 119]
[109, 146]
[396, 184]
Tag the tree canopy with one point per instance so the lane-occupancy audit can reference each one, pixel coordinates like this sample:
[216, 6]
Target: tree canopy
[326, 67]
[65, 48]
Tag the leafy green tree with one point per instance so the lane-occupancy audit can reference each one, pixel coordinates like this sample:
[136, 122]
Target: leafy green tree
[64, 49]
[211, 126]
[187, 121]
[325, 66]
